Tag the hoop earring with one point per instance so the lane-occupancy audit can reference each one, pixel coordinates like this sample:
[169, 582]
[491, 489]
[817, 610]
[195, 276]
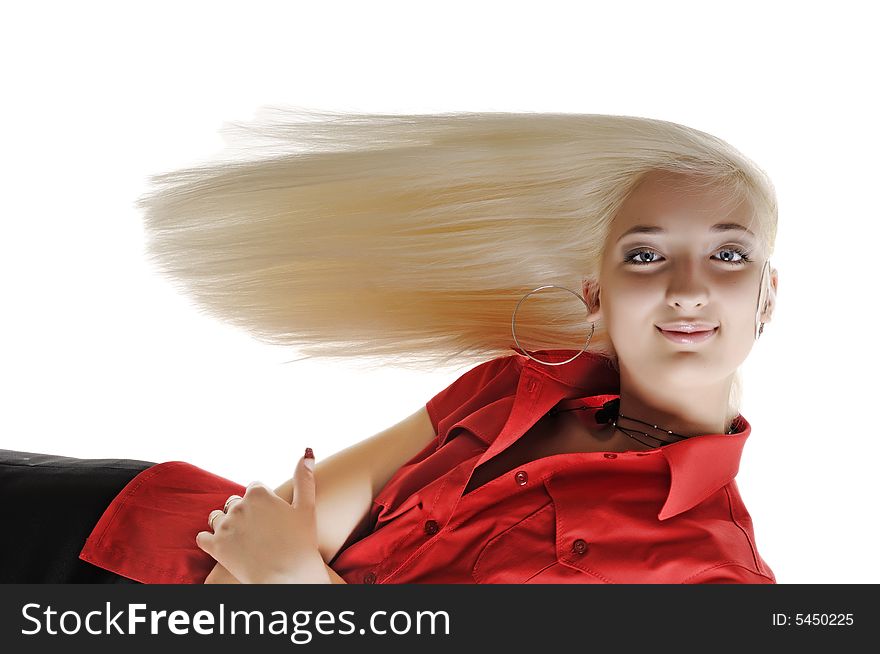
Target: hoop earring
[548, 363]
[760, 330]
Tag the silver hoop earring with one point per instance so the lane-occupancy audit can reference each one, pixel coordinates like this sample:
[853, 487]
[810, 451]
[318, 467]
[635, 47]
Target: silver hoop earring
[760, 330]
[548, 363]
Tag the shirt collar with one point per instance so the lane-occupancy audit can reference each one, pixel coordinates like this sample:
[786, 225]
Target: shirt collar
[699, 466]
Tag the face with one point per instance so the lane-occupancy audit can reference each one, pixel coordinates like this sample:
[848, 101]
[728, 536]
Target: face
[687, 272]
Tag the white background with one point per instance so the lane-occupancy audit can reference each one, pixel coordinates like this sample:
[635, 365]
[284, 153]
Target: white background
[100, 358]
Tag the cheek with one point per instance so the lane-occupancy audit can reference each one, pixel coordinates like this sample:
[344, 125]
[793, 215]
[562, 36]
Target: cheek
[629, 317]
[632, 293]
[632, 306]
[741, 303]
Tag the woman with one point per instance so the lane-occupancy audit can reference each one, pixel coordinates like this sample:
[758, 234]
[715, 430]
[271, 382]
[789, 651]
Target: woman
[411, 238]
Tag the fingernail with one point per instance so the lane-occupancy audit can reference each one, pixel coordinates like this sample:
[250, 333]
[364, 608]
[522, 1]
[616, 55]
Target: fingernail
[309, 454]
[309, 459]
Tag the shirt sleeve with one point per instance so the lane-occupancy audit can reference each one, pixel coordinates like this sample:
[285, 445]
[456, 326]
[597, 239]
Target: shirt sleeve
[148, 531]
[464, 395]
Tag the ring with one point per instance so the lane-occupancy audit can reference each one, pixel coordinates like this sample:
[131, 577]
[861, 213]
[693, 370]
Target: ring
[231, 497]
[211, 521]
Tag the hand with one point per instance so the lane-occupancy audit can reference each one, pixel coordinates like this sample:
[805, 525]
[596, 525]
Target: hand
[261, 539]
[220, 575]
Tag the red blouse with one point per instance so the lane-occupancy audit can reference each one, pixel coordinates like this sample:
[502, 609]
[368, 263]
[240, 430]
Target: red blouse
[668, 515]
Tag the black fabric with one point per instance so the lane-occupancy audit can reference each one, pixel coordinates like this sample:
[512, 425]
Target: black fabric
[49, 505]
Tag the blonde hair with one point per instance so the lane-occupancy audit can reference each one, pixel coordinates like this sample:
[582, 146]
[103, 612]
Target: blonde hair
[409, 239]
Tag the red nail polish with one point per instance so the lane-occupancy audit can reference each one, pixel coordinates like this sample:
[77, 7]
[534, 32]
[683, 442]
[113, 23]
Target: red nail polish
[309, 454]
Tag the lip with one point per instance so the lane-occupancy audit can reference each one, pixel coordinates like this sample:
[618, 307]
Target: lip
[688, 326]
[688, 338]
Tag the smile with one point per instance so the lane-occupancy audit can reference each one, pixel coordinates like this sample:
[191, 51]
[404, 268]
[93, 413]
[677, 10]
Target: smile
[685, 337]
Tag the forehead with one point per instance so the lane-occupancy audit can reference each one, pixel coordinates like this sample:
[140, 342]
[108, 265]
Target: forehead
[677, 203]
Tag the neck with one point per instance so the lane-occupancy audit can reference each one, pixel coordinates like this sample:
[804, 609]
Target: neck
[686, 410]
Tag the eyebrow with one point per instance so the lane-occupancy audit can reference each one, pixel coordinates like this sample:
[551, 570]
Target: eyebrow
[651, 229]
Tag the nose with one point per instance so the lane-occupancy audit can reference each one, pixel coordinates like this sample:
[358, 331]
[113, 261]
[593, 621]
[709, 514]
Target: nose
[687, 287]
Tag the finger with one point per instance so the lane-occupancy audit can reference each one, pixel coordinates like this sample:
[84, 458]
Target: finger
[205, 541]
[254, 486]
[304, 481]
[230, 501]
[213, 518]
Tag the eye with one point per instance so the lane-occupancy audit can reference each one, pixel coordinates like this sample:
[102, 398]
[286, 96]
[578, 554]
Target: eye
[727, 256]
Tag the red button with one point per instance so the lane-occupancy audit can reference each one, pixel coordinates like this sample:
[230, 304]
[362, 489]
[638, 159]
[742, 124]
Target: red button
[522, 477]
[370, 578]
[610, 455]
[431, 527]
[579, 546]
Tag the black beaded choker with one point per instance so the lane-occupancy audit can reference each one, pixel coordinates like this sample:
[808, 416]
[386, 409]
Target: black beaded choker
[609, 412]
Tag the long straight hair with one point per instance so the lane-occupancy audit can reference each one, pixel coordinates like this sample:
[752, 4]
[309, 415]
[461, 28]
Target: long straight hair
[409, 239]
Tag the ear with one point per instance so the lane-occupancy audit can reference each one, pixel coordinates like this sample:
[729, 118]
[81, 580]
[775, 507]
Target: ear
[770, 302]
[592, 294]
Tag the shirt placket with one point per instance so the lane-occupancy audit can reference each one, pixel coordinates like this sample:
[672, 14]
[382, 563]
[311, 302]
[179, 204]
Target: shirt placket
[534, 397]
[421, 536]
